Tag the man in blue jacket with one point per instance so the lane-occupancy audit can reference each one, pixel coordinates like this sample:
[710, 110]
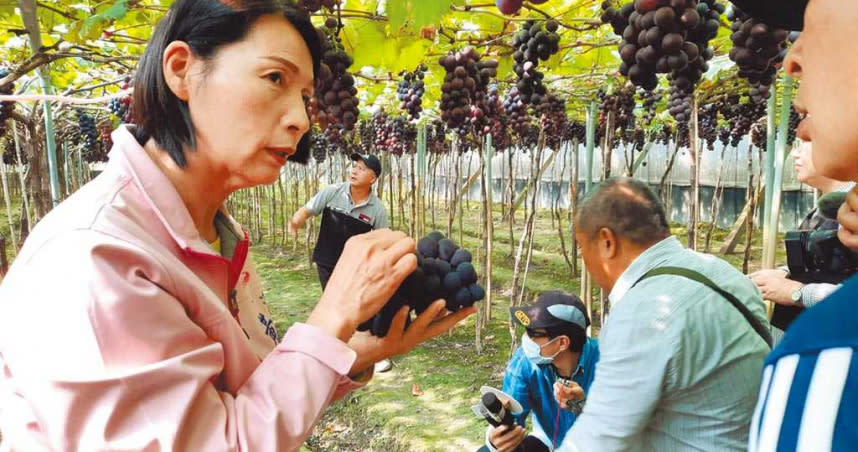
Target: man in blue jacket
[555, 350]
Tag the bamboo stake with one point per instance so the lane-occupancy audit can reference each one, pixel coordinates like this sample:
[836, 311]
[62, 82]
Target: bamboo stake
[9, 208]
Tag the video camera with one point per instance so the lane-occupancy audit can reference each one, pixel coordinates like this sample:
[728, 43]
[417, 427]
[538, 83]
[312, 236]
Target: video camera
[818, 256]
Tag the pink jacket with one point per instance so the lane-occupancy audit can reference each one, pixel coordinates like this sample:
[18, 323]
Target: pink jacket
[116, 332]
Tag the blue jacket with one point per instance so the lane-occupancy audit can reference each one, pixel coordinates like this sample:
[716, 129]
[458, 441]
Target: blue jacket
[809, 394]
[533, 387]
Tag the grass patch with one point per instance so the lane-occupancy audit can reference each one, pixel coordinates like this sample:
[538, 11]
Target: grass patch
[386, 415]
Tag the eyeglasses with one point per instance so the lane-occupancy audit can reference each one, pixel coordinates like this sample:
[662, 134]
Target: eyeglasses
[536, 334]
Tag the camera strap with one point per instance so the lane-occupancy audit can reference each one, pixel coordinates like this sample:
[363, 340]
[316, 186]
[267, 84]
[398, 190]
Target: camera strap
[695, 276]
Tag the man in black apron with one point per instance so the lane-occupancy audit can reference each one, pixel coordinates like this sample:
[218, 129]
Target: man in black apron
[347, 209]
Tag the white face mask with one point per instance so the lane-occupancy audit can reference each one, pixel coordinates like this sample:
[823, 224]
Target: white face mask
[533, 351]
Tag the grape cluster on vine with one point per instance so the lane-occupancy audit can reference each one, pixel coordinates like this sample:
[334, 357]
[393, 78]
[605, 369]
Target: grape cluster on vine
[464, 87]
[794, 119]
[758, 50]
[648, 101]
[320, 147]
[336, 101]
[516, 112]
[410, 91]
[436, 137]
[123, 108]
[707, 118]
[552, 118]
[740, 116]
[537, 40]
[394, 134]
[664, 36]
[87, 130]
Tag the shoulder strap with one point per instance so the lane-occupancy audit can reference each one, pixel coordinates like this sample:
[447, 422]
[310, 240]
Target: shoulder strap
[693, 275]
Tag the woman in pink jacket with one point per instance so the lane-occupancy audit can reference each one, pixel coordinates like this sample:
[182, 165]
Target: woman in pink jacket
[132, 318]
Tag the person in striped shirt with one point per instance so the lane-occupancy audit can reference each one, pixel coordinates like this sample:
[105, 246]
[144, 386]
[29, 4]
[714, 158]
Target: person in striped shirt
[808, 398]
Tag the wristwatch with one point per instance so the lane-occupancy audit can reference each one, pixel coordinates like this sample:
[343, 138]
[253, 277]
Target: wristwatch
[796, 297]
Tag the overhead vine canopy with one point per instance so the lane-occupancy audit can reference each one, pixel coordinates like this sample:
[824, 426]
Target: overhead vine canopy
[90, 42]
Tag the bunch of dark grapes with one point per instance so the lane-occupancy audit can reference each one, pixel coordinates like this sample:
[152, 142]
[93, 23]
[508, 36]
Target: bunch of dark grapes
[552, 118]
[495, 115]
[6, 107]
[395, 134]
[336, 97]
[486, 109]
[313, 6]
[465, 76]
[665, 134]
[516, 112]
[87, 131]
[575, 131]
[663, 36]
[366, 135]
[444, 271]
[758, 50]
[707, 118]
[794, 119]
[534, 42]
[436, 137]
[680, 99]
[741, 117]
[410, 91]
[320, 147]
[122, 107]
[464, 94]
[625, 113]
[724, 135]
[648, 101]
[458, 86]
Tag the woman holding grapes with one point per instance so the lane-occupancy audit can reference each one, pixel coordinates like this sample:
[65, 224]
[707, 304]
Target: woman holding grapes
[132, 318]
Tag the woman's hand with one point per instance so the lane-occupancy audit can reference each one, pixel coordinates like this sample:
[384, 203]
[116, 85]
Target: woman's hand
[399, 340]
[369, 271]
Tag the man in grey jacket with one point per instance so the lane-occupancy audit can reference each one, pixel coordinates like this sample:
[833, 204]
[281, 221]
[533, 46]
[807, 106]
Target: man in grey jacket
[682, 349]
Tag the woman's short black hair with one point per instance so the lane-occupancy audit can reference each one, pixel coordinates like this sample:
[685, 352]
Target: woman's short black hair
[205, 25]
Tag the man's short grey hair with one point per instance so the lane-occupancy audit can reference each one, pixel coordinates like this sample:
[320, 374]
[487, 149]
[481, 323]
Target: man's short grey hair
[625, 206]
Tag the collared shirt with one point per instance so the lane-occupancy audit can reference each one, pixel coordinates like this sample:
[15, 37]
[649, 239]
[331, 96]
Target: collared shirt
[679, 366]
[533, 387]
[121, 329]
[809, 391]
[339, 197]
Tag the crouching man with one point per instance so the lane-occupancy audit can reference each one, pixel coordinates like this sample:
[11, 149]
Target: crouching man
[682, 350]
[555, 351]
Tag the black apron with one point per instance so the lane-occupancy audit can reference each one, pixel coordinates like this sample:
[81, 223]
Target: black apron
[336, 228]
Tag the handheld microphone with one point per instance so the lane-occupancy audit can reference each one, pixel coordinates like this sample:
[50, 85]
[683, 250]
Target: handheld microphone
[829, 203]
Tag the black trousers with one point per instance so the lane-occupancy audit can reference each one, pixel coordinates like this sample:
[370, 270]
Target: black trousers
[324, 274]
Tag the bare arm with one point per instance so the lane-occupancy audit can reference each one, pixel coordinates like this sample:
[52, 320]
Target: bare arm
[297, 221]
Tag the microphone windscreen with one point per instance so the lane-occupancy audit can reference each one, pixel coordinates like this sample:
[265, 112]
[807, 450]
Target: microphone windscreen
[829, 203]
